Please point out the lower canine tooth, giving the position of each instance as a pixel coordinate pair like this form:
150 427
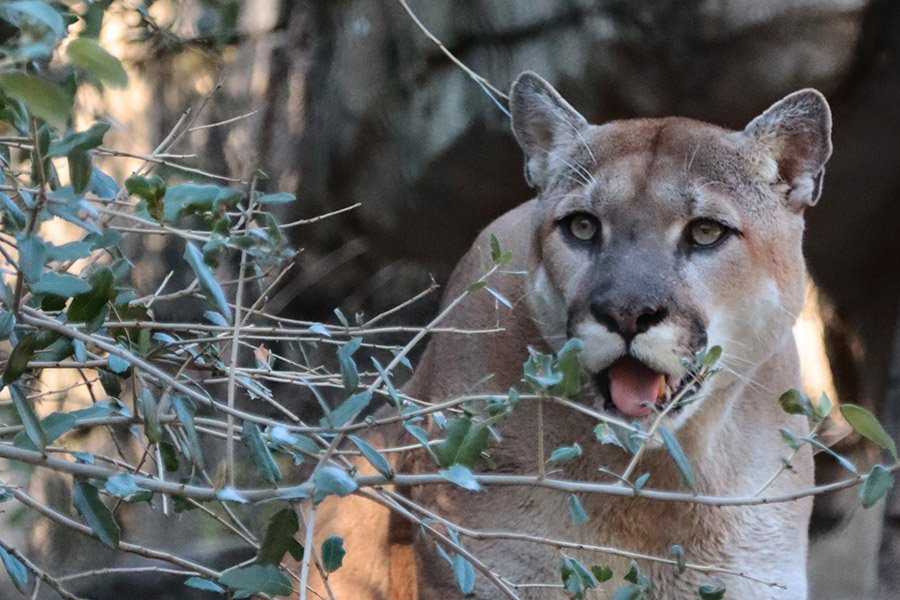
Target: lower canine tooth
661 393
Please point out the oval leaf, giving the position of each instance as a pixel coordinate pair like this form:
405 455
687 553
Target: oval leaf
94 513
260 453
678 456
30 421
86 53
565 453
18 572
375 458
878 483
283 526
576 510
266 579
462 477
60 284
866 425
42 98
333 553
209 285
331 480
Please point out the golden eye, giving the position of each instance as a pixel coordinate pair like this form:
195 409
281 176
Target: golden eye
706 232
584 227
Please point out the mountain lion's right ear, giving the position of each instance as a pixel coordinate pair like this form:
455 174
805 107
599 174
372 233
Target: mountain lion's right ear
796 131
543 123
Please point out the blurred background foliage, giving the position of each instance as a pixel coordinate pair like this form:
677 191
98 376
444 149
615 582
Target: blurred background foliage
346 102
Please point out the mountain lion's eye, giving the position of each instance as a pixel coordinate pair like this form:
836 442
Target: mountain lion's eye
584 227
706 232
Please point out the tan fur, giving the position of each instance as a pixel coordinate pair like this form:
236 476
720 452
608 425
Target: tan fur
645 181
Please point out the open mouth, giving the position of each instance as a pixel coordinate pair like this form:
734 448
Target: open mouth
635 389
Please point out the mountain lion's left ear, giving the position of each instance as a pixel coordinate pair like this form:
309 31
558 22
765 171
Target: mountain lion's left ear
544 125
796 131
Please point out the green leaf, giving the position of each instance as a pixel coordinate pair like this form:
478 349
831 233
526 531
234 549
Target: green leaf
184 409
333 553
575 577
823 407
711 357
151 189
169 456
87 306
53 425
13 217
795 402
266 579
260 453
375 458
464 442
331 480
7 324
30 421
349 372
149 411
117 364
79 141
713 591
576 510
568 364
18 572
606 435
348 409
495 248
395 400
209 285
277 198
678 456
878 483
80 170
88 54
464 572
602 573
20 356
637 577
866 425
539 372
94 513
279 540
630 592
42 98
199 583
191 199
229 494
475 287
565 453
124 486
60 284
32 256
462 477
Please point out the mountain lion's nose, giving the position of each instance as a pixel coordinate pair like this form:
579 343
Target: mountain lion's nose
628 321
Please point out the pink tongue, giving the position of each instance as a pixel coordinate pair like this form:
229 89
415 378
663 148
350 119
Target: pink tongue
633 386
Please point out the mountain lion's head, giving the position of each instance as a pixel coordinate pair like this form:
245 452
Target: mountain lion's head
658 238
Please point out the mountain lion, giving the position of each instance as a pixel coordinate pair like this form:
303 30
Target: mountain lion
650 240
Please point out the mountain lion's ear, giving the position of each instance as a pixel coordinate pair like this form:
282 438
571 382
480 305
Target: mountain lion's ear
796 130
543 123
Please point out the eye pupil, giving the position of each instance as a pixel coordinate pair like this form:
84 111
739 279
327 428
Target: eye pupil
583 227
706 233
